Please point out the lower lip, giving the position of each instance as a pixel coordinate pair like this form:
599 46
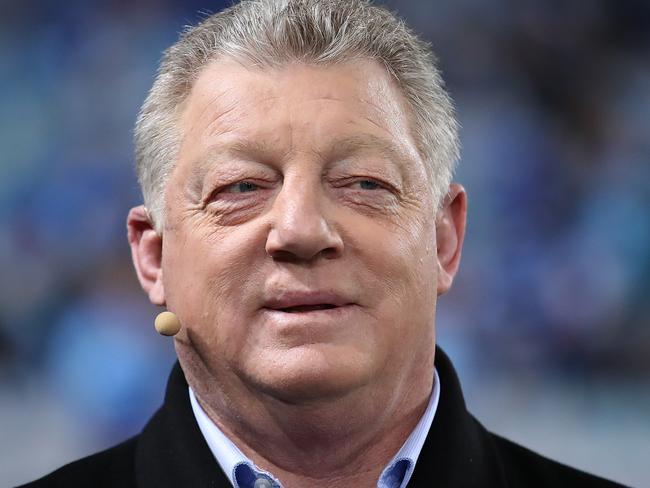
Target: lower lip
311 318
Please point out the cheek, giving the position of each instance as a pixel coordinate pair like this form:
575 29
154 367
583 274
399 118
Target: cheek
403 264
421 261
406 254
207 273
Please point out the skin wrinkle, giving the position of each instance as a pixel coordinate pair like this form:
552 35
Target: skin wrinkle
220 114
347 143
276 389
248 152
216 97
351 467
222 177
227 179
345 471
352 145
348 146
209 132
395 112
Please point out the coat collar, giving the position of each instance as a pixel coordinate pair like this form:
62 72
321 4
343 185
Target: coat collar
458 450
172 452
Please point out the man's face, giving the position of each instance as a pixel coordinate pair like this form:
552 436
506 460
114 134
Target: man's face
299 250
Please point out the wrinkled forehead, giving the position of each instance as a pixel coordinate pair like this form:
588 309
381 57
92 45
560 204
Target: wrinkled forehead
343 106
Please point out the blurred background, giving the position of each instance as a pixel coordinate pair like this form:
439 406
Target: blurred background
549 320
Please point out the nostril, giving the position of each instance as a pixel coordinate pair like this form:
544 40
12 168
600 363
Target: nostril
284 256
299 240
331 252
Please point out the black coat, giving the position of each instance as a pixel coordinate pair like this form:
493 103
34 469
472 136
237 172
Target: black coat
458 452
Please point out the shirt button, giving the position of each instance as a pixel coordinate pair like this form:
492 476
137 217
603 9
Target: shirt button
262 483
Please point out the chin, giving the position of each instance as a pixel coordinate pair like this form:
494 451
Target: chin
309 373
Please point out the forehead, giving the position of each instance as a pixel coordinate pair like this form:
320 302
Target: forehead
296 107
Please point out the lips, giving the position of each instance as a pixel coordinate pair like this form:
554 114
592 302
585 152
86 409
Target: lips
304 302
307 308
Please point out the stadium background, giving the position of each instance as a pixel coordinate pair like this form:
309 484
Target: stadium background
548 322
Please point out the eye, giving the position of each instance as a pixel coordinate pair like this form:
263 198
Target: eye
368 185
241 187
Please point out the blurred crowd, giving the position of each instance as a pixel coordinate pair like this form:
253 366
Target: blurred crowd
554 102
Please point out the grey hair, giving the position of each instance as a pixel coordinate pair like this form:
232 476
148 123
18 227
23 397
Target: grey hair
270 33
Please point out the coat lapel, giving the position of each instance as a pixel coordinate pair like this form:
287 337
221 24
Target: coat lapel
171 451
458 451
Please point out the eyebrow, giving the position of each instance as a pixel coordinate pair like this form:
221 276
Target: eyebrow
260 150
239 148
359 142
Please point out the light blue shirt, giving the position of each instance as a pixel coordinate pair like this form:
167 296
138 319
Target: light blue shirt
242 473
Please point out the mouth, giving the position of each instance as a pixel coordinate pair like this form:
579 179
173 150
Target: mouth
309 316
306 308
300 302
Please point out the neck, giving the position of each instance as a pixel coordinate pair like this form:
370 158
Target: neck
346 441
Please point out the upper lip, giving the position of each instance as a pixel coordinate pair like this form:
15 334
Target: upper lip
290 299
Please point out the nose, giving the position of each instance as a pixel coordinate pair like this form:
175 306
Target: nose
300 231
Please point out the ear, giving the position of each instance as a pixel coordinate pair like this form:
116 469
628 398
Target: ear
450 232
146 251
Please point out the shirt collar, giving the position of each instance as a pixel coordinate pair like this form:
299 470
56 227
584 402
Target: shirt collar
237 466
399 470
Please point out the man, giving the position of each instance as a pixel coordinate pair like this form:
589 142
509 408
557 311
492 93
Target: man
295 158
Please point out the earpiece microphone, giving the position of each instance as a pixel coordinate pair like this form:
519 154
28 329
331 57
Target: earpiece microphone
167 324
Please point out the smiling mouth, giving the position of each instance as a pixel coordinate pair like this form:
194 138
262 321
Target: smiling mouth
307 308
